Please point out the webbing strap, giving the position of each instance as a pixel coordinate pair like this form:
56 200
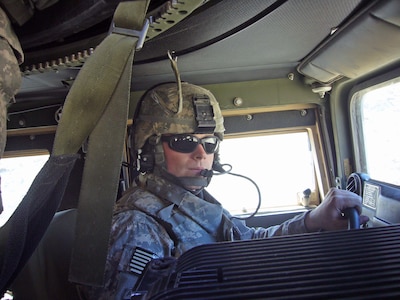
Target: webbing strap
99 188
25 228
97 105
97 80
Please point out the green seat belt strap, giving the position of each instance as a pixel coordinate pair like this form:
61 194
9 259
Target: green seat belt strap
97 108
97 105
97 81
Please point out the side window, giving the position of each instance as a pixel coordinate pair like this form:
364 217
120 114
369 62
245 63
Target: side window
281 165
376 128
17 175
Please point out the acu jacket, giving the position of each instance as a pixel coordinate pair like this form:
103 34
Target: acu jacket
163 219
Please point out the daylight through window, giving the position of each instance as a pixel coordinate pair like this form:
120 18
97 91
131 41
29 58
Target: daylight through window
280 164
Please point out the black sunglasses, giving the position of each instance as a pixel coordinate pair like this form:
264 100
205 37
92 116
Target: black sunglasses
187 143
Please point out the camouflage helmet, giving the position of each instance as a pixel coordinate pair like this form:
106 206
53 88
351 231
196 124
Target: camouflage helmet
160 112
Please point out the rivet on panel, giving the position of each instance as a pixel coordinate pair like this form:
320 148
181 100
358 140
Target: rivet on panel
237 101
303 112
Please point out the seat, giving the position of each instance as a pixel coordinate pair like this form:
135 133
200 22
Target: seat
45 276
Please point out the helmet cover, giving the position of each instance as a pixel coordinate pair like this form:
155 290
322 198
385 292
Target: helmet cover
159 113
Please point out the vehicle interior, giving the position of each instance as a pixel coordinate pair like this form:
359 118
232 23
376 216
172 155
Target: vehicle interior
309 91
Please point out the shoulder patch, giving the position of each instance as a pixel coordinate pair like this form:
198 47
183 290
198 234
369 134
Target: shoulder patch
139 260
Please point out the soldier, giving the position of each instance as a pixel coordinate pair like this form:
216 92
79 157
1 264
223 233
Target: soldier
11 56
176 134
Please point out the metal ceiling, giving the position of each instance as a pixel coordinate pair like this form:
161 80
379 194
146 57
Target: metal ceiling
223 41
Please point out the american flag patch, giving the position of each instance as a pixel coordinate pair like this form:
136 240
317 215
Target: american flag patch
139 260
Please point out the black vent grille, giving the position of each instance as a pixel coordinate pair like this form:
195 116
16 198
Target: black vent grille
354 264
354 184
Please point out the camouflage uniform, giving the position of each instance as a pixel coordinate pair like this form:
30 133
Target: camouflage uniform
167 220
10 76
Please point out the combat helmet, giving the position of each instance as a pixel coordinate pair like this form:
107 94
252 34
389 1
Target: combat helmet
162 111
172 108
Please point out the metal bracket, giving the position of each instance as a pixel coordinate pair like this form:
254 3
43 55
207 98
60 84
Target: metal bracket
141 35
204 114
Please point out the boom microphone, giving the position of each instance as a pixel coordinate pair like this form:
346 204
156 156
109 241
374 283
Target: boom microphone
206 173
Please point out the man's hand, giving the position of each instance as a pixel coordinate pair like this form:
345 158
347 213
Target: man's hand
329 214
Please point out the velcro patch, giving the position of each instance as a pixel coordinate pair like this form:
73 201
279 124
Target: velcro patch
139 260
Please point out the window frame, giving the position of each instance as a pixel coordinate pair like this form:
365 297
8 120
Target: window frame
355 95
282 121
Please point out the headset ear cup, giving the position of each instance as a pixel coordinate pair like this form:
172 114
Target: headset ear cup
145 162
145 158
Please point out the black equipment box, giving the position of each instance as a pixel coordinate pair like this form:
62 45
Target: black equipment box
352 264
